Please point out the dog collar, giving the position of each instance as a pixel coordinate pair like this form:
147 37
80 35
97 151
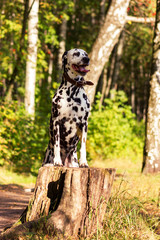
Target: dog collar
74 82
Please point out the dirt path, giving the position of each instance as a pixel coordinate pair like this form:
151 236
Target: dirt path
13 200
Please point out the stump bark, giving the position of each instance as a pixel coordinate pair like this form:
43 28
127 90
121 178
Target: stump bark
73 199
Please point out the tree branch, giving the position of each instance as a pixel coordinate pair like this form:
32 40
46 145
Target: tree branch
140 19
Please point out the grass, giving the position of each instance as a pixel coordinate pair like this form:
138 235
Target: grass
144 187
133 211
10 177
134 207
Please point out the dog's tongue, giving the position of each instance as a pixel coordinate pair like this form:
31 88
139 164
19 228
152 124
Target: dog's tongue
80 68
83 69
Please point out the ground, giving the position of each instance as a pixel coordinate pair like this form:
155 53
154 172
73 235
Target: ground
13 201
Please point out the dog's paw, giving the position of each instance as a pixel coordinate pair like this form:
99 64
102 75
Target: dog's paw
74 165
83 165
58 165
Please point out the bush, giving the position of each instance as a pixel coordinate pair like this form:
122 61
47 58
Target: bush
23 141
113 130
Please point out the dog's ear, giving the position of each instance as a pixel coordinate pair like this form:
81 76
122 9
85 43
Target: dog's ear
64 59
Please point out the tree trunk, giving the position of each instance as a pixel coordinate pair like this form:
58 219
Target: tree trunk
145 96
107 38
133 89
102 11
50 68
111 70
75 197
32 57
151 161
62 43
104 85
16 68
117 65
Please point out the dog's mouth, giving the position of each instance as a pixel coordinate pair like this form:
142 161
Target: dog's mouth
80 68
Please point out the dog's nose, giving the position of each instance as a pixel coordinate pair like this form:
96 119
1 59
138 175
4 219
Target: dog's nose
85 60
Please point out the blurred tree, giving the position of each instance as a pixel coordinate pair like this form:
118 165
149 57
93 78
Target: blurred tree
19 55
106 40
32 57
151 162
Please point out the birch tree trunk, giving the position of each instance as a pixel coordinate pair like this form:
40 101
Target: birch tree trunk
107 38
32 57
62 44
151 161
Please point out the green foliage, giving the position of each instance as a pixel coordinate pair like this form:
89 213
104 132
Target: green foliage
23 141
113 133
113 130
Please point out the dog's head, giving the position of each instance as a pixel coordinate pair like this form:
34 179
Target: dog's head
76 61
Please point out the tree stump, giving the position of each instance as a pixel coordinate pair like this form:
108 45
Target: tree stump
74 199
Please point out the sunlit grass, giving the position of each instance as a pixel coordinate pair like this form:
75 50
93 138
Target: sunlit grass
8 177
145 187
133 194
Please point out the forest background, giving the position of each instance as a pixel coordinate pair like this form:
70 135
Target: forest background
116 130
116 125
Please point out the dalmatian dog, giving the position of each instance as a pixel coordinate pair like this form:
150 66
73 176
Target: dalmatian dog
69 114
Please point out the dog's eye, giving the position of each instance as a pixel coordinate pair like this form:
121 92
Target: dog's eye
76 54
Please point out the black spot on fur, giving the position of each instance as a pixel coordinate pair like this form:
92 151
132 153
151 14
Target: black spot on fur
75 108
82 109
77 100
55 131
64 119
56 123
68 99
57 99
73 91
68 91
70 130
64 60
85 96
58 106
55 112
52 140
80 126
77 91
88 105
73 140
51 133
86 116
48 158
76 54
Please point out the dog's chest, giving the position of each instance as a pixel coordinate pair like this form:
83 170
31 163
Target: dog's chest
72 103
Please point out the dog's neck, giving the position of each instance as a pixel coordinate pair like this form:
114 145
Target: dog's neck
78 82
74 76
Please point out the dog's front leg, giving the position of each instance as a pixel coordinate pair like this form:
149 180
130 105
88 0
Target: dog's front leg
57 158
83 159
